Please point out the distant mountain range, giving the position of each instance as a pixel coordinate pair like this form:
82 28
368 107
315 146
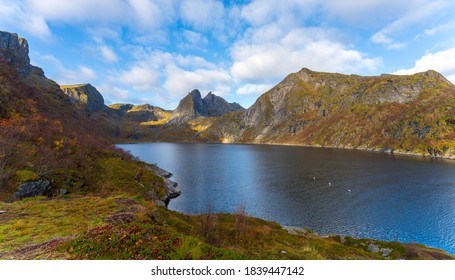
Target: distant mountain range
409 114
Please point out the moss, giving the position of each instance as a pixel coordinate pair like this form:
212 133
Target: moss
26 176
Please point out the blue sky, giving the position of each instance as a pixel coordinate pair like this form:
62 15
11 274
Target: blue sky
156 51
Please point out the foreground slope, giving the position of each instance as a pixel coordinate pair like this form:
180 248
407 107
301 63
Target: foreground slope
49 146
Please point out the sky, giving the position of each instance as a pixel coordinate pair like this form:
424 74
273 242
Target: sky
156 51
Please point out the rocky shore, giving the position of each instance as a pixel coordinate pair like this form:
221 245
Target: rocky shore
171 186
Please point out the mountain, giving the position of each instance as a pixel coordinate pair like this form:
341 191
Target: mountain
406 114
135 122
193 106
217 106
85 96
150 123
401 114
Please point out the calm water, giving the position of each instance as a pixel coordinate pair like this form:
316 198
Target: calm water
327 190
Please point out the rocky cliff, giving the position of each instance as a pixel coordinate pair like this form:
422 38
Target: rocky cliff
217 106
85 96
14 50
193 106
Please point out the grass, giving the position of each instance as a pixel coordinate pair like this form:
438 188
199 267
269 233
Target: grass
119 176
89 231
40 219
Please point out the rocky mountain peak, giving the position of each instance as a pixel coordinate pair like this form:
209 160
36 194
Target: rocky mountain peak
436 75
85 95
193 106
196 94
14 50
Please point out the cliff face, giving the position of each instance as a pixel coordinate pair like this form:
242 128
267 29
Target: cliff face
189 108
85 96
14 50
217 106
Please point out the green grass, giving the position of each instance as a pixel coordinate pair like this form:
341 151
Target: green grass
37 220
157 233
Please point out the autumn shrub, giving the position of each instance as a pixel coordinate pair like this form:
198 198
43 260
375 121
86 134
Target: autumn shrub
125 242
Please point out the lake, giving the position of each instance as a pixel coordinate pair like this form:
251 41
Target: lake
330 191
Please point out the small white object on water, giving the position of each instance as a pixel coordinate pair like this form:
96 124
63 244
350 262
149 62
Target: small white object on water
314 178
349 190
330 184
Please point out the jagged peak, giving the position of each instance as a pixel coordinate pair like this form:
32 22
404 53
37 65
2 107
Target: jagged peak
195 93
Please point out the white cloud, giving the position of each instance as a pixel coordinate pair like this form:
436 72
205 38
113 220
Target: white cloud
141 78
312 48
441 61
255 89
179 81
34 16
371 12
194 39
146 11
284 13
192 62
114 94
76 10
169 77
62 75
440 28
14 18
414 16
108 54
202 14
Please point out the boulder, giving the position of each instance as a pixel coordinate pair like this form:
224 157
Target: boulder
33 188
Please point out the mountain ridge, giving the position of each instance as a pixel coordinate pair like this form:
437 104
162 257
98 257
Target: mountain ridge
319 109
193 106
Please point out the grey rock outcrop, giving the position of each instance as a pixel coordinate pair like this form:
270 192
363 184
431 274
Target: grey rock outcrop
217 106
86 96
34 188
171 186
14 50
193 106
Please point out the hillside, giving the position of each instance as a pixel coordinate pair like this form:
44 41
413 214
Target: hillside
411 114
48 145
